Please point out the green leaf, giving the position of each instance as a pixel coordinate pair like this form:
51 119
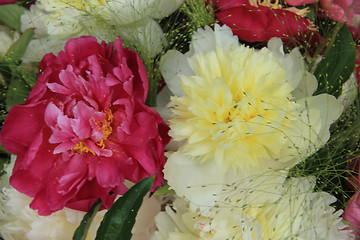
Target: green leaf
120 218
10 15
82 230
337 64
28 72
4 159
17 93
311 12
163 190
4 68
17 49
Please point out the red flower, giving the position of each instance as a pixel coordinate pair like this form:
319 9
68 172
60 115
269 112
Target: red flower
260 23
2 2
352 214
339 10
355 32
85 128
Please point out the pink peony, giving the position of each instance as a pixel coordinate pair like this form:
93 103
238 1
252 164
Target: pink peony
85 128
260 23
352 214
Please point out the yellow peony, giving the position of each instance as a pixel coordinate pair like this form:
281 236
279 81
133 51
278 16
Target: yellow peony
245 108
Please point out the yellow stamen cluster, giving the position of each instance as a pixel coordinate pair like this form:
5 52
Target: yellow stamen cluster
276 5
106 128
80 147
266 3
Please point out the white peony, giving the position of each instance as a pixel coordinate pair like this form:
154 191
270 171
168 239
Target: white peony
19 222
298 213
56 21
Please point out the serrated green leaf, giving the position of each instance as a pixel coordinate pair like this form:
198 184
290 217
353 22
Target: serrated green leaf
337 63
120 218
81 231
10 15
17 93
17 49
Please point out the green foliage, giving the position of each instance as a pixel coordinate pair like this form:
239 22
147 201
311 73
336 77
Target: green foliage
311 13
17 92
10 15
337 64
17 49
4 159
330 164
120 218
17 79
180 26
163 190
81 231
199 13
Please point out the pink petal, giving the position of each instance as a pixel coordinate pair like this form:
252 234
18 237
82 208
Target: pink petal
52 112
80 48
107 173
62 147
57 88
21 125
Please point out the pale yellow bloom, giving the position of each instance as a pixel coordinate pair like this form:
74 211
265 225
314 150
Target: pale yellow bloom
235 108
245 108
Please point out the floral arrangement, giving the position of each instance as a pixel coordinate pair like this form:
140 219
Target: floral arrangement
173 119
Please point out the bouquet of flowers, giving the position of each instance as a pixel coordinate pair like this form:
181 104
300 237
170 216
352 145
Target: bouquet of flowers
173 119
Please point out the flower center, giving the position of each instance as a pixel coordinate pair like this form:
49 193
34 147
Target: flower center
103 128
266 3
82 148
276 5
106 128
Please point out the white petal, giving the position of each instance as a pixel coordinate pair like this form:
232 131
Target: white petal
306 87
39 47
174 64
349 92
35 18
146 35
7 38
195 181
206 185
208 39
275 45
161 8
